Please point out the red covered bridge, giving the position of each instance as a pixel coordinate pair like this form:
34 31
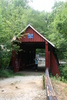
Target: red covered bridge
32 40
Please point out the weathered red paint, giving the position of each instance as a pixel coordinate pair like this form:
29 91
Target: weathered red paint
50 60
36 37
54 65
47 56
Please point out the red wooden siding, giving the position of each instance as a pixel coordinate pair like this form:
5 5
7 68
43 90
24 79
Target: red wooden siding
54 66
36 37
47 56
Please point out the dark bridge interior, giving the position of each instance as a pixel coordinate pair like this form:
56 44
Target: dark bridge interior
27 55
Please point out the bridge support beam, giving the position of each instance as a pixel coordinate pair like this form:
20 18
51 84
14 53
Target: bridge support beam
47 56
15 62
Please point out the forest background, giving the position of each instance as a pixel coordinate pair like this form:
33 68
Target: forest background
15 15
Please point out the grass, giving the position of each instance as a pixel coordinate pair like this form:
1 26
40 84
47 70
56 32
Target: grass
8 73
62 79
60 89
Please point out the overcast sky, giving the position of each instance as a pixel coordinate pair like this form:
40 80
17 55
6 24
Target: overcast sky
45 5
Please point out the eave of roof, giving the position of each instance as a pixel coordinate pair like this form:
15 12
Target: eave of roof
37 33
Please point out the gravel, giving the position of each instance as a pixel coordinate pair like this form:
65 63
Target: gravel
22 88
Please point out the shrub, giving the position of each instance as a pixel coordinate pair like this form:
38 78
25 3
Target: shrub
5 58
63 71
6 73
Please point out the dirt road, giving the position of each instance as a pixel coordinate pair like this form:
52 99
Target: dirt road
22 88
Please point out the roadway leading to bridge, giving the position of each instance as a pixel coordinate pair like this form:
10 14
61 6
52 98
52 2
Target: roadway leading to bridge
22 88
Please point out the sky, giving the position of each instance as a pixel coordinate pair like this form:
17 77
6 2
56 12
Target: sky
45 5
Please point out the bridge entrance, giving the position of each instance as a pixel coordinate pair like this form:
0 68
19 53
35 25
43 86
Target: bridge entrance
31 40
28 54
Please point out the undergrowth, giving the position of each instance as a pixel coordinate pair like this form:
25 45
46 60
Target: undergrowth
59 78
8 73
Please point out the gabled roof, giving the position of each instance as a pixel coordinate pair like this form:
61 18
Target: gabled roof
38 34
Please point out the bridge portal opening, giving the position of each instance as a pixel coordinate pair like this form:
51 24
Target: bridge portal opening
29 52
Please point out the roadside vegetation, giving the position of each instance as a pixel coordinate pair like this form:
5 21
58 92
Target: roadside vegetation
8 73
60 88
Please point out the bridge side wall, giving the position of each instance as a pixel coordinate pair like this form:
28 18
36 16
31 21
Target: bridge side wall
50 60
54 65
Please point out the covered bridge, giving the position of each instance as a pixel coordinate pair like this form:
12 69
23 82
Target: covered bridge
32 40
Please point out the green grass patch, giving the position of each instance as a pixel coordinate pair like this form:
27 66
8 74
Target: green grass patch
18 74
59 78
8 73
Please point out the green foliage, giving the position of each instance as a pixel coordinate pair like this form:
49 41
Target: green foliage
57 28
5 55
5 58
59 79
10 21
16 48
6 73
63 71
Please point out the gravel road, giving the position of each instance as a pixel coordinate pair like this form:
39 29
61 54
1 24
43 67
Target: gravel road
22 88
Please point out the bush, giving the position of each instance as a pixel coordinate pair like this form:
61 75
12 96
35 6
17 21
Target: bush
5 58
6 73
63 71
